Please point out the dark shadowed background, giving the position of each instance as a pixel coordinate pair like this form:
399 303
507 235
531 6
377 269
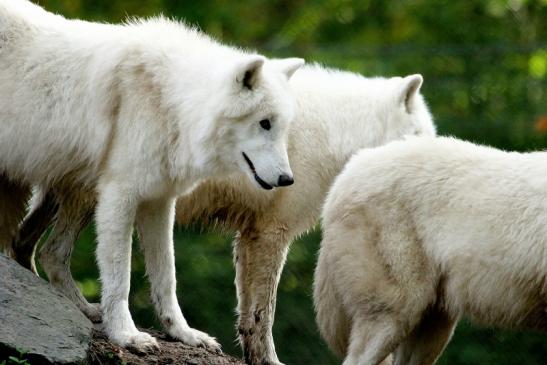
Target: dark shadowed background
485 68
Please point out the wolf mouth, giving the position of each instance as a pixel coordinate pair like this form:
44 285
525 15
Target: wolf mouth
263 184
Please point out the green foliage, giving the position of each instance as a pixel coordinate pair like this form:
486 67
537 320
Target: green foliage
485 68
19 360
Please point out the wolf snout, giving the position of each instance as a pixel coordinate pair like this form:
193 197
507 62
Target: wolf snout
285 180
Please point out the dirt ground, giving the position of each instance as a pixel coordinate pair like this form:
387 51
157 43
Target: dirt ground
102 352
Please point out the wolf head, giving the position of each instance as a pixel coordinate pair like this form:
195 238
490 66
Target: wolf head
408 113
255 108
345 111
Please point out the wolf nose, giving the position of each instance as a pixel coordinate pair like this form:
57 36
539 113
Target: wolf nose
285 180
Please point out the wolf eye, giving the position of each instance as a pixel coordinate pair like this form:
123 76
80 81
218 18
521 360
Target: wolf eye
265 123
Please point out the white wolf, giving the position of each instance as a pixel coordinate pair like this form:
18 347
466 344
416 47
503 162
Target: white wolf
421 232
141 112
338 113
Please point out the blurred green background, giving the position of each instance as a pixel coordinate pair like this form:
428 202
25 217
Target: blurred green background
485 68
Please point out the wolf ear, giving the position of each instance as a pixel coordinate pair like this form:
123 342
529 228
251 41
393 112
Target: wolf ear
288 65
247 71
409 89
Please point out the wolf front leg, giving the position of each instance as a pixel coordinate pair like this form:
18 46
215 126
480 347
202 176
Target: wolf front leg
114 217
259 257
155 221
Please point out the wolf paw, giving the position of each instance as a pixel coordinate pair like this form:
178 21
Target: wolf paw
197 338
271 362
253 360
138 341
92 311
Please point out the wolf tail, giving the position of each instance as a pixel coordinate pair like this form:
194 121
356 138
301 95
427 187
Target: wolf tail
41 213
331 317
14 198
23 220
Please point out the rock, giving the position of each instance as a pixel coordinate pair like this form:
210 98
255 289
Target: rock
38 320
169 352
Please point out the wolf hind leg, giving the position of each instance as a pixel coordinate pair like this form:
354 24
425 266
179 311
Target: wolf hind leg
386 284
427 341
75 212
372 340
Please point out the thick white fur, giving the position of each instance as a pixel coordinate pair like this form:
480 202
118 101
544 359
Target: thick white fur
142 112
420 232
338 113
